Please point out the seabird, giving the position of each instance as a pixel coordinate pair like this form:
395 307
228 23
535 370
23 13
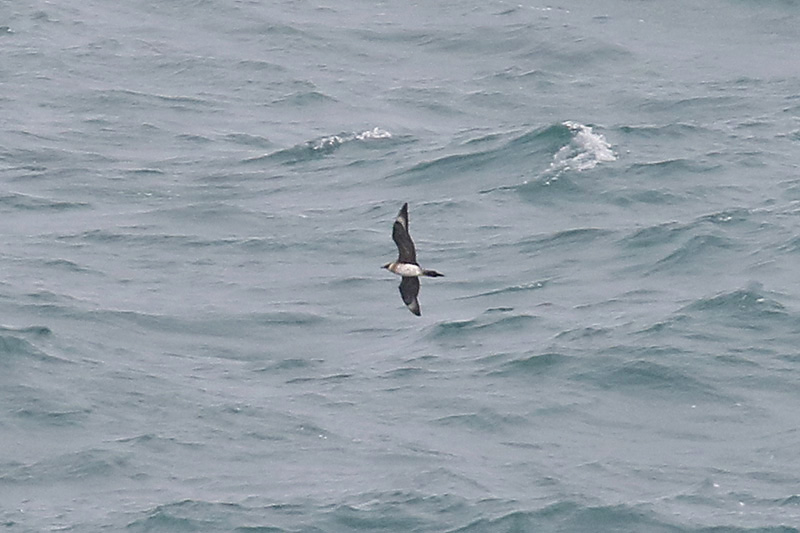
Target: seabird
406 264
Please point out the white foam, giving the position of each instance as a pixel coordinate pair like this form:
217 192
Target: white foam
585 150
374 133
331 142
327 143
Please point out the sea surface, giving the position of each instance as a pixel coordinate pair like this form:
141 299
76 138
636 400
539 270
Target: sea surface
196 197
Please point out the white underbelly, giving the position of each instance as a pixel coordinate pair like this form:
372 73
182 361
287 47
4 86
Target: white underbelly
407 269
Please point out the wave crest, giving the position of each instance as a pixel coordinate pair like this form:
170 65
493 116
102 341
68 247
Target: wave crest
585 150
323 146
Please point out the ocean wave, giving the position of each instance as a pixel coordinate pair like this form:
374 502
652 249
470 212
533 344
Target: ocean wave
186 515
13 347
535 364
523 287
722 318
697 251
567 515
561 239
791 246
208 325
128 97
583 333
656 235
638 375
43 406
669 232
157 443
702 242
585 150
696 105
36 203
38 331
547 152
452 165
70 467
136 236
413 511
303 98
401 510
10 345
486 420
747 304
675 130
671 167
246 139
487 322
323 146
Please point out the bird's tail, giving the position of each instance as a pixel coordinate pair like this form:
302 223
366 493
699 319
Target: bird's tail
432 274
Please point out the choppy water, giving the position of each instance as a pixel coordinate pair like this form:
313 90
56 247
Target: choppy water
197 197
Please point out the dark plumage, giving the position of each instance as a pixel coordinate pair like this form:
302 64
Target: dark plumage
406 264
405 246
409 289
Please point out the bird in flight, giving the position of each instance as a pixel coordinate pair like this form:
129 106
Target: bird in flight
406 264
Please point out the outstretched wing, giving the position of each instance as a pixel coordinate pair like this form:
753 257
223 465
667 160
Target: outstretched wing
409 289
405 246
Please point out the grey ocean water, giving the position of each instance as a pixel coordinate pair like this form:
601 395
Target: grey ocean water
196 197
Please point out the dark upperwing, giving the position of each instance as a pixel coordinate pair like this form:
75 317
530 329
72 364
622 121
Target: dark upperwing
409 289
405 246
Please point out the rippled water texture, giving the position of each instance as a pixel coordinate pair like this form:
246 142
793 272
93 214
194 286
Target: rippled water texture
197 197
